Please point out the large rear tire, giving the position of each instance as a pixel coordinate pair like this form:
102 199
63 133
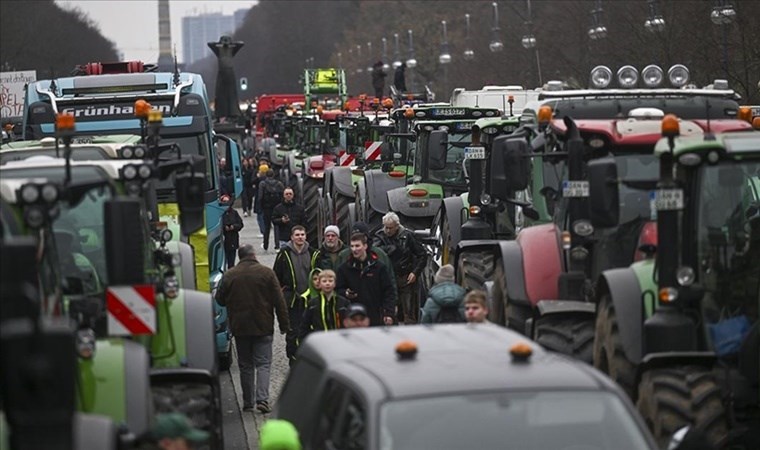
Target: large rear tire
672 398
446 250
311 206
340 205
572 336
608 353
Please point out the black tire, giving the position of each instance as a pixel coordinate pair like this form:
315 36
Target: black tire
352 218
372 218
340 206
447 255
225 361
672 398
197 402
608 354
572 336
311 207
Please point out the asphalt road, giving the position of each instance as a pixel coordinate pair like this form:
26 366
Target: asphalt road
241 428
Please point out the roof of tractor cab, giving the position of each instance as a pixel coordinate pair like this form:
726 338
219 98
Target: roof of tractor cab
449 359
735 143
111 167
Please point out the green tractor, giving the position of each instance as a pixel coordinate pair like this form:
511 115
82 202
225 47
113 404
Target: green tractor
680 331
183 363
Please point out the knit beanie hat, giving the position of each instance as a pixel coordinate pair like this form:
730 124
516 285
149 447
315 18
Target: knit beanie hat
332 229
445 273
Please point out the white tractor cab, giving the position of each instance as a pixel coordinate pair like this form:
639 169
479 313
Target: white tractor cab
508 99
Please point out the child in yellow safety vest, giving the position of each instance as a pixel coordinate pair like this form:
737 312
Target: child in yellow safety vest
326 310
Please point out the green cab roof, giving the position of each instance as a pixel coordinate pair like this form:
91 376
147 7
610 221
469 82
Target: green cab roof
734 145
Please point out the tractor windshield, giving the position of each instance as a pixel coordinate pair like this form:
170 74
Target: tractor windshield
728 236
453 174
634 203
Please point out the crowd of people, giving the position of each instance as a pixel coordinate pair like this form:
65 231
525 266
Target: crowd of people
372 280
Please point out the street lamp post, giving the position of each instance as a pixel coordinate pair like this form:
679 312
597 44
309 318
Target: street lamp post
396 52
371 62
655 23
496 44
445 57
386 66
597 30
411 63
529 42
723 15
469 53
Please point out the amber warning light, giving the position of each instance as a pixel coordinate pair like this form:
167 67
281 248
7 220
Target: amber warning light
64 122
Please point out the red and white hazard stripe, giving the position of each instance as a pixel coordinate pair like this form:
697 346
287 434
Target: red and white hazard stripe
345 158
131 310
372 150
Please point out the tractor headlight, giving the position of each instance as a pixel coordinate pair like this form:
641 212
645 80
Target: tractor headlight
140 152
583 228
678 75
685 276
49 193
579 253
129 172
34 216
144 171
171 287
628 77
166 235
127 152
601 76
485 199
30 193
86 343
652 76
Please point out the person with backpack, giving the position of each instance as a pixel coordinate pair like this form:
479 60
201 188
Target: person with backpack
270 195
287 215
445 302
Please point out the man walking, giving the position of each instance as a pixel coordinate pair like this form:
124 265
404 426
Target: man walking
408 258
269 194
293 269
251 293
232 224
286 215
364 279
327 255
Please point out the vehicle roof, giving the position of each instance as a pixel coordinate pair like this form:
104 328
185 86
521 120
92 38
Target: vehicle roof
744 143
107 141
94 82
450 358
112 167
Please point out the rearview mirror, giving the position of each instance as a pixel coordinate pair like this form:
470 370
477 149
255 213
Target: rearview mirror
603 192
437 143
189 187
510 166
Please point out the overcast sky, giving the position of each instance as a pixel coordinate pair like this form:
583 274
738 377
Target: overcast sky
133 24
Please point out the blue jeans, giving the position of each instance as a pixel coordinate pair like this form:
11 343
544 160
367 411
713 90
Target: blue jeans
254 354
260 220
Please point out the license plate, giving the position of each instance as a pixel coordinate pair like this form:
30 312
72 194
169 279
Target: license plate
474 153
82 140
575 189
668 199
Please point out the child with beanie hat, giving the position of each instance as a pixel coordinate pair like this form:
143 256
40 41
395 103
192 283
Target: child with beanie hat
445 302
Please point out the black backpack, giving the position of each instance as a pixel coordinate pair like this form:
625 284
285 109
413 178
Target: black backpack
449 314
271 193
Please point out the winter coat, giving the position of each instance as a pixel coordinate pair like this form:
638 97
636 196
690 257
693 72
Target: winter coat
322 314
372 281
294 211
345 254
443 294
399 79
404 250
231 238
324 258
378 78
292 269
251 293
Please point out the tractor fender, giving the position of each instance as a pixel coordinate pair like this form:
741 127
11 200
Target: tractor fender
137 387
199 331
511 257
377 185
342 181
452 207
554 307
399 202
186 268
625 295
541 260
94 431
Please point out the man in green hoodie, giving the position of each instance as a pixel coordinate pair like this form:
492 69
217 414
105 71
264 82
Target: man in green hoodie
293 266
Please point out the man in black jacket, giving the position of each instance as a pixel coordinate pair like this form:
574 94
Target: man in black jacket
269 193
364 279
408 258
232 224
286 215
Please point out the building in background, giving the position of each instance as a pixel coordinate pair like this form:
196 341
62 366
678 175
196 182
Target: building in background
203 28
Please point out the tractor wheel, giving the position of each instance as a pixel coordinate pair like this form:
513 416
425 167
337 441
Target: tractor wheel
341 218
196 401
446 255
311 206
352 219
608 354
672 398
572 336
225 361
372 218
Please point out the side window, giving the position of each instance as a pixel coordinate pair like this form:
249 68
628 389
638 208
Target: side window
342 420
